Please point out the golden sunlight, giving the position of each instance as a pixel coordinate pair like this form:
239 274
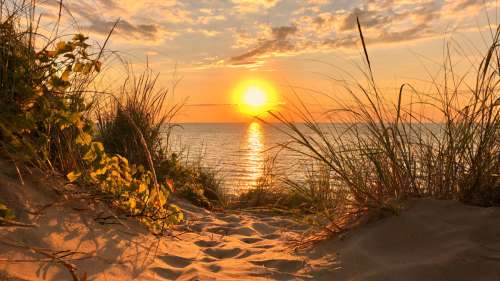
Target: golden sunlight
255 96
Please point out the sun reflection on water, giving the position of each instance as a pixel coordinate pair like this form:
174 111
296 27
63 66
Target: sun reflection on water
254 148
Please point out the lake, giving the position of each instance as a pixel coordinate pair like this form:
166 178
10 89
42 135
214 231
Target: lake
238 150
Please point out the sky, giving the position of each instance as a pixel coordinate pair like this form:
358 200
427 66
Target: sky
303 48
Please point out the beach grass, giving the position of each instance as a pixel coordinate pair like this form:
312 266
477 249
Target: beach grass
381 153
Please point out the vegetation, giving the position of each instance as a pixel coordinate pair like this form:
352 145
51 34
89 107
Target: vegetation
44 119
383 154
138 126
368 164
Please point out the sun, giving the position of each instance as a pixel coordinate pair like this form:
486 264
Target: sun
255 96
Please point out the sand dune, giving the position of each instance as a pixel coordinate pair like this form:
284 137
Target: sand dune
431 240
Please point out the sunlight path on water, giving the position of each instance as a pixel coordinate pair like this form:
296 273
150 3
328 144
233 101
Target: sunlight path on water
255 147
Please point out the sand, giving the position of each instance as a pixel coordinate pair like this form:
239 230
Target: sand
431 240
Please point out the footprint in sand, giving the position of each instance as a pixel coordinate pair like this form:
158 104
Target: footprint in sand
214 268
271 236
283 265
230 218
176 261
263 228
207 243
167 273
232 224
198 227
248 253
222 253
264 246
222 230
251 240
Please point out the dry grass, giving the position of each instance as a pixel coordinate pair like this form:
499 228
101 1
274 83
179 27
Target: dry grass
139 108
386 153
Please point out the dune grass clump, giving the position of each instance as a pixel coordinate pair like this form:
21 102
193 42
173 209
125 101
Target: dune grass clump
269 193
139 119
381 154
138 127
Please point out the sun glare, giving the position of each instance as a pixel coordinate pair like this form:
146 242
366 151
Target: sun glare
255 97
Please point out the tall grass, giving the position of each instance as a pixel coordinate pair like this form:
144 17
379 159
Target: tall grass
137 123
138 112
386 153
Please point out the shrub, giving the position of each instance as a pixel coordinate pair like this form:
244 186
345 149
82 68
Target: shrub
131 187
41 96
44 118
200 185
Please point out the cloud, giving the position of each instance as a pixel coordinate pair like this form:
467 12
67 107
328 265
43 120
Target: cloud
253 6
124 29
383 22
278 43
369 18
248 32
99 16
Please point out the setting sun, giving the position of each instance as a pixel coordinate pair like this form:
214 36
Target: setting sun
255 96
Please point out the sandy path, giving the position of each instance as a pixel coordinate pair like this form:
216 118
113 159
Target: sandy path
431 240
232 246
209 246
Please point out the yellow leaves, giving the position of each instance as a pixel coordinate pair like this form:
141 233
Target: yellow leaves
90 156
83 138
73 176
142 187
131 185
65 76
97 146
132 203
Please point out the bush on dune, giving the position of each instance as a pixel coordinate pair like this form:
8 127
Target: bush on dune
44 119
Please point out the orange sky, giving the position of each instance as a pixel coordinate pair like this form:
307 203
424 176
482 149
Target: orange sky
301 47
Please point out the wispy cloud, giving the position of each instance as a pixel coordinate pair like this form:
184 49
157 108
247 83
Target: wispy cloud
248 32
384 22
278 43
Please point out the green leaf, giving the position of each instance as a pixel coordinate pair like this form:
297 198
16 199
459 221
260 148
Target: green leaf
6 212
